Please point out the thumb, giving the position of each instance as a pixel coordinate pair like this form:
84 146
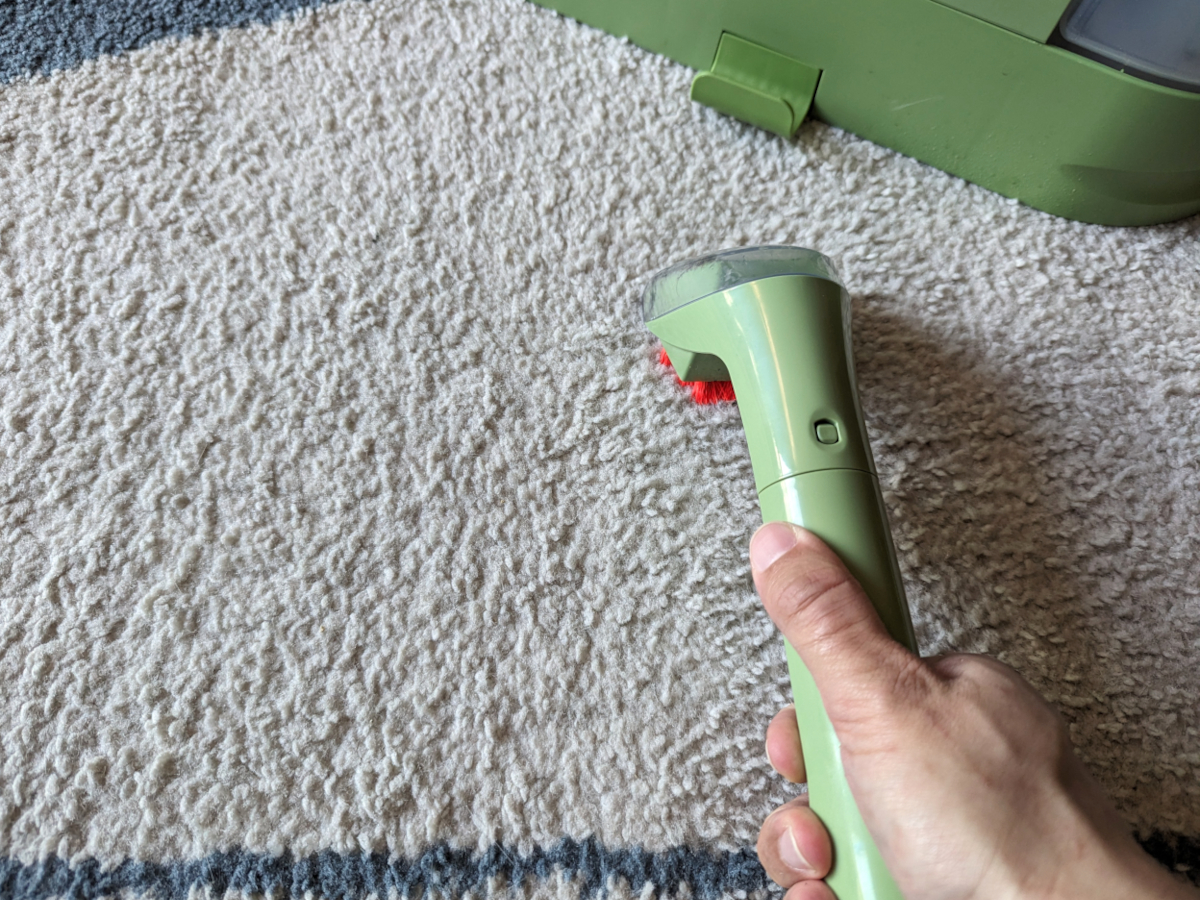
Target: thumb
826 616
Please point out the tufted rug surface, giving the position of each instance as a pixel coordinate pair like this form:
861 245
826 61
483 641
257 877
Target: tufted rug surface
355 543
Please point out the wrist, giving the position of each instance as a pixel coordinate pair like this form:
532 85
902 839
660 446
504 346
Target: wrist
1113 868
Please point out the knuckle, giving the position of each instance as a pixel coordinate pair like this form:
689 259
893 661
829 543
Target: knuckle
981 677
992 702
804 601
899 704
911 680
985 670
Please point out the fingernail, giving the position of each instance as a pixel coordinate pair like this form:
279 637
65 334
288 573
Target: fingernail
769 543
789 853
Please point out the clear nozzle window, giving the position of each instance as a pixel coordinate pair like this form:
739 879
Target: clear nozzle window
694 279
1156 39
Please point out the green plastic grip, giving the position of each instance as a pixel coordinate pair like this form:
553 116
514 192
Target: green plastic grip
776 322
844 508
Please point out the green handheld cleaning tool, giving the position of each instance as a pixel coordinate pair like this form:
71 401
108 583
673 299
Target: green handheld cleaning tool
776 322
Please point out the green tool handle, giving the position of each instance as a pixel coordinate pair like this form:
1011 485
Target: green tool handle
776 322
844 507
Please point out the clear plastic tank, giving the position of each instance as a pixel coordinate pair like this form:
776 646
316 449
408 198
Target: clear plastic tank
698 278
1159 39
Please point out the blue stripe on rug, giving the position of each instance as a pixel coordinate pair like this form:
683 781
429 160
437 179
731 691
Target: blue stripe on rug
441 869
356 876
39 36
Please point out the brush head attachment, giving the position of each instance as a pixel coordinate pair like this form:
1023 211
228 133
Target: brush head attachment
703 392
695 279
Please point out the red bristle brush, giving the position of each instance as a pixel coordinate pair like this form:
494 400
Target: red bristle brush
702 391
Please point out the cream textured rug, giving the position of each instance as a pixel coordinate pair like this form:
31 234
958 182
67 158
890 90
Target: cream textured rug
353 540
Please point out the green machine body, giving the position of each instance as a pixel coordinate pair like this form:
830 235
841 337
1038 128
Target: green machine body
1089 109
776 322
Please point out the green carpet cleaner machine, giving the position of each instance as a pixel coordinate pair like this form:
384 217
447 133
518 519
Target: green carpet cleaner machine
775 321
1088 109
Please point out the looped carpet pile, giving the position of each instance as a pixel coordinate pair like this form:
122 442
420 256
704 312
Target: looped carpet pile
354 540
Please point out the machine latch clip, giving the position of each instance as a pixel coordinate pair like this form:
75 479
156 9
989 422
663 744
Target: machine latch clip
757 85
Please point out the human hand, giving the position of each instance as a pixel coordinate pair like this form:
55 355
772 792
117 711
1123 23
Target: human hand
964 775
